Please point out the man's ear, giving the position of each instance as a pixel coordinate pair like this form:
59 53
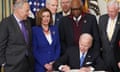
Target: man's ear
47 5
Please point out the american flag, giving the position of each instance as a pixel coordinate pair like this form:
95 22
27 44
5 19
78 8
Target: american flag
35 5
91 4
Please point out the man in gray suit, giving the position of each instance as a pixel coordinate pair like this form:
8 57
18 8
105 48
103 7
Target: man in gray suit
108 34
15 40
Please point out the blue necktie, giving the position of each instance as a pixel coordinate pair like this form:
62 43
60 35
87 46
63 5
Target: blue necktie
24 31
82 59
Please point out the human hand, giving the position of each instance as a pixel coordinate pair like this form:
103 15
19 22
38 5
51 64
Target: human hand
48 67
84 69
119 65
65 68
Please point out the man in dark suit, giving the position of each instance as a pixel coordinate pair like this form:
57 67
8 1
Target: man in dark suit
72 59
73 25
117 49
66 7
52 5
108 34
15 40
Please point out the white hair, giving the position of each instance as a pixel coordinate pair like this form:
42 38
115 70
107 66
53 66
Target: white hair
86 36
69 0
48 1
113 2
19 3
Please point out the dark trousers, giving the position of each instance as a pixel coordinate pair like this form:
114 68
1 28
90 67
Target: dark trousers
22 66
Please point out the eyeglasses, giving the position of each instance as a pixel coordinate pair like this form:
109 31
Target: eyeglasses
75 8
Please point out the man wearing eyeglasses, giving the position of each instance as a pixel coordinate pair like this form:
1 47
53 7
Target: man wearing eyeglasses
73 25
66 7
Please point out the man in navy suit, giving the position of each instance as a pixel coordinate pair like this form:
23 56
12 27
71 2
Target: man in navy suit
72 59
52 5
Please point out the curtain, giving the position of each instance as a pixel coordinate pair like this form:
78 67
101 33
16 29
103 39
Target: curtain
5 8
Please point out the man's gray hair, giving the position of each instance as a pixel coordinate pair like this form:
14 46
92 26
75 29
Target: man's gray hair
48 1
86 36
19 3
113 2
69 0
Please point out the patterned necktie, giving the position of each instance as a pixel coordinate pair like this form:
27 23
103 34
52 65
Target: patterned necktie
24 31
82 59
111 30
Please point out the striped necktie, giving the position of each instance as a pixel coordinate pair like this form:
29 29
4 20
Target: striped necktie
111 30
82 59
24 31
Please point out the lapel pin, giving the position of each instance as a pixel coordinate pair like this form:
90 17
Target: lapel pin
85 21
88 63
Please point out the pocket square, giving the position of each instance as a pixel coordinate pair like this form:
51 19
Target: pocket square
88 63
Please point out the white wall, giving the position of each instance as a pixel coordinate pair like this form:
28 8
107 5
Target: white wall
102 6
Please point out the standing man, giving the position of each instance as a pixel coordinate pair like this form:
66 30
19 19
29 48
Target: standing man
66 7
73 25
117 49
52 5
109 25
15 40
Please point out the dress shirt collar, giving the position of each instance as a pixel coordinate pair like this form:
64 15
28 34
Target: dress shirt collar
77 19
65 14
85 53
53 16
115 19
18 20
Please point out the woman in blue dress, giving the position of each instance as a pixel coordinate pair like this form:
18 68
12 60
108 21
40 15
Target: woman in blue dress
46 45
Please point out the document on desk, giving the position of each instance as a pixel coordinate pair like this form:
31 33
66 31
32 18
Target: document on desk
78 70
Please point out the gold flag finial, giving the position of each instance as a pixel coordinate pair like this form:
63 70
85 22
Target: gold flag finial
85 7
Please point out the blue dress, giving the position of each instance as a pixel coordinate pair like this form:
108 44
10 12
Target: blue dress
43 51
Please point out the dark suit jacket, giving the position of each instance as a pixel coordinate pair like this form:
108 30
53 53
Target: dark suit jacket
117 47
89 25
72 59
12 44
107 46
57 19
60 13
32 21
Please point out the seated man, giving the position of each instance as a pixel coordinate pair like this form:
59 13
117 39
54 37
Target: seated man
80 57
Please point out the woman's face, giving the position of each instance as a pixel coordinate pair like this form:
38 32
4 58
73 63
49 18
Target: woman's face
45 18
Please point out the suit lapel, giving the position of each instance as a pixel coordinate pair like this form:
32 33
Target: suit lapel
16 27
56 19
27 29
77 57
105 23
15 24
117 27
52 34
88 59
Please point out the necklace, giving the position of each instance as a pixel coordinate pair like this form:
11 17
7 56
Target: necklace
46 31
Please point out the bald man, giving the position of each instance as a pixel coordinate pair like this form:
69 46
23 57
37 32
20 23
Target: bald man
72 58
71 27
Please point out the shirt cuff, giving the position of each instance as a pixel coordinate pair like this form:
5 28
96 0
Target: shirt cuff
60 67
92 68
